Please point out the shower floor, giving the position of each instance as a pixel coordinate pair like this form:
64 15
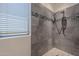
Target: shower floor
56 52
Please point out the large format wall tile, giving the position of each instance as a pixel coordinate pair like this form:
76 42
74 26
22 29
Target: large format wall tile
69 42
45 34
41 30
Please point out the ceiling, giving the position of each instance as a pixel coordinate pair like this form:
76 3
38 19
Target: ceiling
57 6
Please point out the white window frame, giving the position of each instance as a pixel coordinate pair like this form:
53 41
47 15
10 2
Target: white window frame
29 26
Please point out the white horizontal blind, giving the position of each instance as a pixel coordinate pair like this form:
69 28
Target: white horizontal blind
12 24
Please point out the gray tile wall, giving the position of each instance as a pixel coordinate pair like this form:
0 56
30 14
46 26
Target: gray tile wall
42 31
69 42
45 34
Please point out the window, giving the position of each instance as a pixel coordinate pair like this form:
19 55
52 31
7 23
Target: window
14 19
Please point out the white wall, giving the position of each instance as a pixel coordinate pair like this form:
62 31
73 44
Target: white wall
18 46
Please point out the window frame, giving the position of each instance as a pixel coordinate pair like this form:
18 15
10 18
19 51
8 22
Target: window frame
29 26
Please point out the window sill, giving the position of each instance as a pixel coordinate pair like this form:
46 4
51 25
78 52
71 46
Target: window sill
17 36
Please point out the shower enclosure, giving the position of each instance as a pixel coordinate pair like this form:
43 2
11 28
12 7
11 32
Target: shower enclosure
48 30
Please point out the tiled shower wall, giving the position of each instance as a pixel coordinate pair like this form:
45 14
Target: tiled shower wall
69 42
45 34
42 31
